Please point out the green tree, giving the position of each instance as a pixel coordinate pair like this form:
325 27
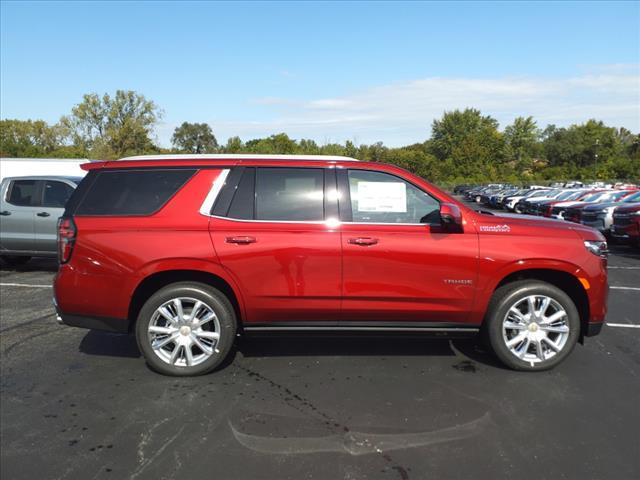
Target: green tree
468 143
575 148
194 138
234 145
34 138
521 142
112 127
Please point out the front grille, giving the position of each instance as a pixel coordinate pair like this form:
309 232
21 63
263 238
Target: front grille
556 210
589 217
621 220
573 215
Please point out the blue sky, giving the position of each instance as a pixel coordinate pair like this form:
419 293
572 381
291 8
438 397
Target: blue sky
330 71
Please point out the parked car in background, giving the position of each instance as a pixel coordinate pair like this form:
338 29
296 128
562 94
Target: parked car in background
29 212
600 215
626 224
574 212
462 189
512 202
497 198
590 196
525 205
187 251
545 207
21 167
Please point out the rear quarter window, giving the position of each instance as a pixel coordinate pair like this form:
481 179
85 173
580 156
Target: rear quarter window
131 192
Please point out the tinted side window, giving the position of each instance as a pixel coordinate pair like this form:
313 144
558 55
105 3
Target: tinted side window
22 192
382 198
290 194
243 202
56 194
132 192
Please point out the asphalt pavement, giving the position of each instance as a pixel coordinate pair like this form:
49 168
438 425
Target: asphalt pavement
79 404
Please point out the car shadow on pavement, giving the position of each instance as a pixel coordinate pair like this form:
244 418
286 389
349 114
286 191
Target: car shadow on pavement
109 344
277 345
365 345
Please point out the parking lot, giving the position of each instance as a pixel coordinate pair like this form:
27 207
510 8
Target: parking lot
82 404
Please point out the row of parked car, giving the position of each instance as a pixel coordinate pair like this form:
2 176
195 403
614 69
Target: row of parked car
613 210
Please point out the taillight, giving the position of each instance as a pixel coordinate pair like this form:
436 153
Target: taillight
66 238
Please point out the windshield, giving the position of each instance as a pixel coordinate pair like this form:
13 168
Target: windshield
569 195
594 196
539 193
616 196
632 198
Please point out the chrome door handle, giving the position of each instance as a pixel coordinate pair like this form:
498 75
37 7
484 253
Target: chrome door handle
43 214
363 241
241 240
4 213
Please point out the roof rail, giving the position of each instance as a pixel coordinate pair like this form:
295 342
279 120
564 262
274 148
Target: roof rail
222 156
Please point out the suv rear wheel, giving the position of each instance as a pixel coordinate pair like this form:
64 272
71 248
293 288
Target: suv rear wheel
532 325
186 329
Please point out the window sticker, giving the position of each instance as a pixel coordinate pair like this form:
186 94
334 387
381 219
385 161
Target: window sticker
382 197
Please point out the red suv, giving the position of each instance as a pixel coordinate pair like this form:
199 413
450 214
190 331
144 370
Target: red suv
188 251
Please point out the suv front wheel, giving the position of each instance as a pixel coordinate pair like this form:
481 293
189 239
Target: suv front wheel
186 329
532 325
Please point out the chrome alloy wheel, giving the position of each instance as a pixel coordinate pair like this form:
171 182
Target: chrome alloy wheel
535 328
184 332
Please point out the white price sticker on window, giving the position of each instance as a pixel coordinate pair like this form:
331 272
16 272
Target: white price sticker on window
382 197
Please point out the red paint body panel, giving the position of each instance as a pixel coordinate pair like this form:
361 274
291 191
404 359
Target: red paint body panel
412 273
291 272
312 271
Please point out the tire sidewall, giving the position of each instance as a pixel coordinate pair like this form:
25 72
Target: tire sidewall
215 300
509 298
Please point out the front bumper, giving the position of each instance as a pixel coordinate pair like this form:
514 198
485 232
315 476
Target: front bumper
625 232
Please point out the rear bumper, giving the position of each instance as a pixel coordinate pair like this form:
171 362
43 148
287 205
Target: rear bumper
107 324
117 325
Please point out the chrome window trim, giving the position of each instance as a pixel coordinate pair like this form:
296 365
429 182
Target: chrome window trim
319 222
214 191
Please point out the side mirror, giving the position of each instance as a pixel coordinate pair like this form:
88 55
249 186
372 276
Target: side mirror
450 215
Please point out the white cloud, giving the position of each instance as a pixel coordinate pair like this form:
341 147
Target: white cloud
402 113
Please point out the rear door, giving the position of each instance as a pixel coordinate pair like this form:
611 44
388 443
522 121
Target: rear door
399 265
53 197
270 231
17 211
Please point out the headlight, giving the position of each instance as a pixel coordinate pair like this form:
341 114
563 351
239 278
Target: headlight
597 247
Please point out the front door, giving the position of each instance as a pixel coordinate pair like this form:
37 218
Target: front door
399 265
273 240
55 194
17 213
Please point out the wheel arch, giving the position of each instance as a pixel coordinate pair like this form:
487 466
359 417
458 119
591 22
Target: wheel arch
562 279
159 279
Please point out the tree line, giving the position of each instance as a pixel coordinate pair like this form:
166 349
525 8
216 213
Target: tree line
464 146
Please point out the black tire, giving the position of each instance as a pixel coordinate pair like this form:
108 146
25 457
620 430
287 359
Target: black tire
212 298
15 260
507 296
